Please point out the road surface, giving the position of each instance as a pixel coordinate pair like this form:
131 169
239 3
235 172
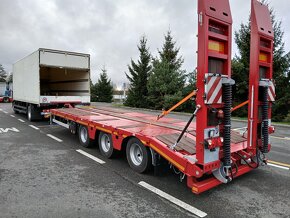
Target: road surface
44 172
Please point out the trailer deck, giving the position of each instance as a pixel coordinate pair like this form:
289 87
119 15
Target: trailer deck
165 131
158 135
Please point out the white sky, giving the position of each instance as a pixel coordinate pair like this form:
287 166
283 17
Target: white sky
110 30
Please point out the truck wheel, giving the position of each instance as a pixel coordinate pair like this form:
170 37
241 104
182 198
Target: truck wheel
106 145
30 113
84 137
6 100
138 156
14 109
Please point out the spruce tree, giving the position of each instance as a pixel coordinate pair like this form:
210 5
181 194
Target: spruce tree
240 69
167 80
138 77
93 92
104 89
3 73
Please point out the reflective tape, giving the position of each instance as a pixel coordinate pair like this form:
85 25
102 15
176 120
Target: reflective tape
213 89
271 92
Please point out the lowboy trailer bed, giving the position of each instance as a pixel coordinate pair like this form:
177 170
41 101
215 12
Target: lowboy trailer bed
156 137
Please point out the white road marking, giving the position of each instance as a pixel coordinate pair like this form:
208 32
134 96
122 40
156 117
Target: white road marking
5 112
21 120
1 109
283 138
34 127
53 137
91 156
240 128
172 199
12 115
281 167
5 130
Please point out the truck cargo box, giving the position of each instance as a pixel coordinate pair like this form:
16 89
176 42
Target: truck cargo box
50 76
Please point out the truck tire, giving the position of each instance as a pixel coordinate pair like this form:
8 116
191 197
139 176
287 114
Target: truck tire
84 137
106 144
14 109
6 100
30 113
138 156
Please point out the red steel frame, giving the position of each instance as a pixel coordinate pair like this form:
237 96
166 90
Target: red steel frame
211 13
216 14
262 36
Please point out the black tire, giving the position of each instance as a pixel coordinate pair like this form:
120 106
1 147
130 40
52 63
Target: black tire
30 113
6 100
73 128
138 156
106 144
14 109
84 137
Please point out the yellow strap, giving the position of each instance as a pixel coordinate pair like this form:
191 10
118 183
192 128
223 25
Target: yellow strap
164 113
240 105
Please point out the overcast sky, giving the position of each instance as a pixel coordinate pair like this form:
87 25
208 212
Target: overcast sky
109 30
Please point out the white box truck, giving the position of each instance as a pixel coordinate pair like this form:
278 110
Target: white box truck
49 79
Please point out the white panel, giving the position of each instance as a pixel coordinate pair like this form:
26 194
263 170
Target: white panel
65 60
63 99
26 79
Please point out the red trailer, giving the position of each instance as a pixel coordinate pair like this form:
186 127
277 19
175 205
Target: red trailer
208 152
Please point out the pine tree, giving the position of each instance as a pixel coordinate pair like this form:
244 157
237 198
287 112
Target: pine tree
3 73
167 80
139 72
94 96
103 88
240 68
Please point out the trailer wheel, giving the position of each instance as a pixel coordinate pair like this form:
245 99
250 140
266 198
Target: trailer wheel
138 156
6 100
84 137
73 128
106 144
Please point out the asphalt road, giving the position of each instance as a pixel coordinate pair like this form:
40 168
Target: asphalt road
42 176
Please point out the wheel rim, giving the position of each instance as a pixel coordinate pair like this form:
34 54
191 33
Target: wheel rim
84 135
136 154
105 143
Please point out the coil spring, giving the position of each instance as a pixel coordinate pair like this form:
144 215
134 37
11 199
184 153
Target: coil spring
265 123
227 97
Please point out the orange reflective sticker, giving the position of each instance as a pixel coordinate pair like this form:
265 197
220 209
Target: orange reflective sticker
263 57
216 46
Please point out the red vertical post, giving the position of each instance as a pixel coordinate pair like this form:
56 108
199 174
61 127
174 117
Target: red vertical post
260 78
214 63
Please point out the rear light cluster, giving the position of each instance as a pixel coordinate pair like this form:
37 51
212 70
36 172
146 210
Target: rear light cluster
213 143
